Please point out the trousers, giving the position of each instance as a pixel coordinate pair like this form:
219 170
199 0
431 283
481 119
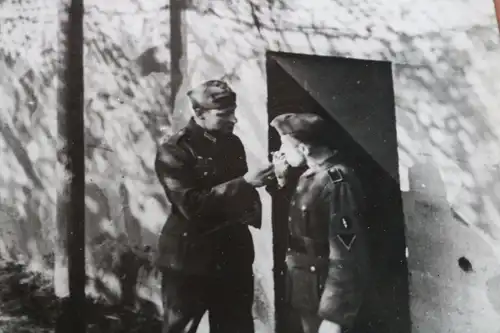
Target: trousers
227 298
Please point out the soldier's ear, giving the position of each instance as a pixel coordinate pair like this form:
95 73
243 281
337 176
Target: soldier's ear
198 113
304 149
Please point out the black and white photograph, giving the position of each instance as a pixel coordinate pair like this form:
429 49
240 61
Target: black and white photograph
249 166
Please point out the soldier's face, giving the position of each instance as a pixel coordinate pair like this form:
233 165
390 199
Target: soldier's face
293 154
219 120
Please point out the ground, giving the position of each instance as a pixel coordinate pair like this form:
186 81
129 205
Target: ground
28 304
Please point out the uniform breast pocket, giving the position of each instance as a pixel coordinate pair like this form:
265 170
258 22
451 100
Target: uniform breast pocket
204 167
303 289
199 247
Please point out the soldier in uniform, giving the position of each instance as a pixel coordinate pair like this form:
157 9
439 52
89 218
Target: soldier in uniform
327 258
206 249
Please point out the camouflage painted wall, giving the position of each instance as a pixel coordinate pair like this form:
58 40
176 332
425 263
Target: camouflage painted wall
444 73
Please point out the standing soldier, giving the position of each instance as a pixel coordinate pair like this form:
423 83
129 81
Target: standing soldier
205 248
327 258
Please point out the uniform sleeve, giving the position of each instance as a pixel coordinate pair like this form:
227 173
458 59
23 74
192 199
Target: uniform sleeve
176 173
341 199
249 208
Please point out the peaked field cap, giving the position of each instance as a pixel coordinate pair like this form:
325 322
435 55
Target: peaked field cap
212 94
293 123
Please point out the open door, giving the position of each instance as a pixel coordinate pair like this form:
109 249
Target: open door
357 97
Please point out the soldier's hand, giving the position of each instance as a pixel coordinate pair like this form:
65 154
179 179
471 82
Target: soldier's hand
281 167
329 327
260 177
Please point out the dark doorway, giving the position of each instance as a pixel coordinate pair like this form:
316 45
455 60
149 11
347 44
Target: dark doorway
357 97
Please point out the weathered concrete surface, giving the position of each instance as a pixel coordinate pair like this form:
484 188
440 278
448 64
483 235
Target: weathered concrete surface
447 294
446 95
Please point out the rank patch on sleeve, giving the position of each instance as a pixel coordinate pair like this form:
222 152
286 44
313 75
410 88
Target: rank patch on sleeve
346 232
347 240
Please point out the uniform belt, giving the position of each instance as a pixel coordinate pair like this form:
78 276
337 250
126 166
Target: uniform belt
304 261
308 246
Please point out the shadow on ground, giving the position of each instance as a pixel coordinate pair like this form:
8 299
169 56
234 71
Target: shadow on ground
28 304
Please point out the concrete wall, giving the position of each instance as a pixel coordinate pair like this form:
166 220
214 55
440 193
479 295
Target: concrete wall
445 56
30 57
444 70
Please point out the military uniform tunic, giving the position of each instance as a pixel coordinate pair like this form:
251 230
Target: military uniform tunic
205 247
327 258
206 231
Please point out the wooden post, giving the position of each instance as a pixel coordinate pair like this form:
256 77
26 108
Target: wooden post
178 43
497 9
71 208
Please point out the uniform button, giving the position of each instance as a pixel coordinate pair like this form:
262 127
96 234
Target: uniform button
205 173
290 218
313 269
185 234
304 208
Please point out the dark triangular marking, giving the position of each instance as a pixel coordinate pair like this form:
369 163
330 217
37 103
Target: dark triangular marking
347 240
318 74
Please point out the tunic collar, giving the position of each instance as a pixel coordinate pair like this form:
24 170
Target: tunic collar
327 164
200 131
